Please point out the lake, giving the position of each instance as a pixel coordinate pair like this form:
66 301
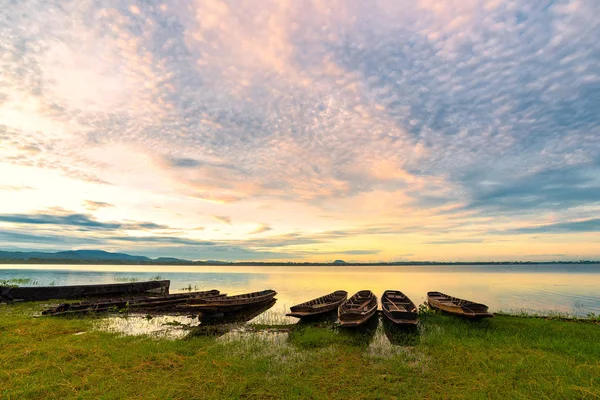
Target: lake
541 288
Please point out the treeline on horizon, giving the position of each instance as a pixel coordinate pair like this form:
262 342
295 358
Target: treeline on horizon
286 263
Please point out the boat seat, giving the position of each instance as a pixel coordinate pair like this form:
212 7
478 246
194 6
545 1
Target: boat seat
398 307
363 305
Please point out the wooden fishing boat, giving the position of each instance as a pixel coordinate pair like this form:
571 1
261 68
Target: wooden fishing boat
219 324
237 317
320 305
229 303
39 293
358 309
456 306
156 303
398 308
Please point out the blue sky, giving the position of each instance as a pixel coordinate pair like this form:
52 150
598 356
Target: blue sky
316 130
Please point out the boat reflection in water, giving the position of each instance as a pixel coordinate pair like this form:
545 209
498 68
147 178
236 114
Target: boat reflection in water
218 324
360 335
401 335
328 319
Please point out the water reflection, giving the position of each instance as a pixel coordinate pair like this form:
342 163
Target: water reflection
173 326
361 335
375 337
160 326
324 319
222 323
539 288
401 335
239 316
378 337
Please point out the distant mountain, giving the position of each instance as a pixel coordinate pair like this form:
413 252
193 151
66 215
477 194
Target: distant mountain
75 255
97 255
105 257
170 260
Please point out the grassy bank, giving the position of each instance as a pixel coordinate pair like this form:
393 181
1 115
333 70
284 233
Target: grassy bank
505 357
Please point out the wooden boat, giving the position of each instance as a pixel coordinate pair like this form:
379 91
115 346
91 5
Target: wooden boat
398 308
157 303
237 317
229 304
319 305
219 324
454 305
39 293
358 309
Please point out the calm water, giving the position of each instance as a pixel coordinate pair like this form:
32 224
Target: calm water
573 289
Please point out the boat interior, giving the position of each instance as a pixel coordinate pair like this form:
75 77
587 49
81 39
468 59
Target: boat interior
361 301
397 303
466 305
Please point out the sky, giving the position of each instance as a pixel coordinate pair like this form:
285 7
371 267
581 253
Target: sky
390 130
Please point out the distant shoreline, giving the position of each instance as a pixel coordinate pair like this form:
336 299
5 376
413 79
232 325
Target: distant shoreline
279 264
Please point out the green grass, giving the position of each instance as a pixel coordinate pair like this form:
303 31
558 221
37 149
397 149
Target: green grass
501 358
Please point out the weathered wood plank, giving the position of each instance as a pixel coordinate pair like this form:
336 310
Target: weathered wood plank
39 293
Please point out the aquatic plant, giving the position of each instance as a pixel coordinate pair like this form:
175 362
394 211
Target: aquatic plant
125 279
424 309
189 288
593 317
16 282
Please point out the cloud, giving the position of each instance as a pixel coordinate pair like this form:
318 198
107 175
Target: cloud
340 253
455 241
546 255
96 205
50 240
280 241
84 221
589 225
15 188
223 219
393 117
167 240
428 93
359 252
261 229
154 246
548 189
79 220
216 253
183 162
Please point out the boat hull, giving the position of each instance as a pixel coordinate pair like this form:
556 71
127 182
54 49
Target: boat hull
399 309
241 316
319 306
154 303
230 304
358 309
456 306
40 293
